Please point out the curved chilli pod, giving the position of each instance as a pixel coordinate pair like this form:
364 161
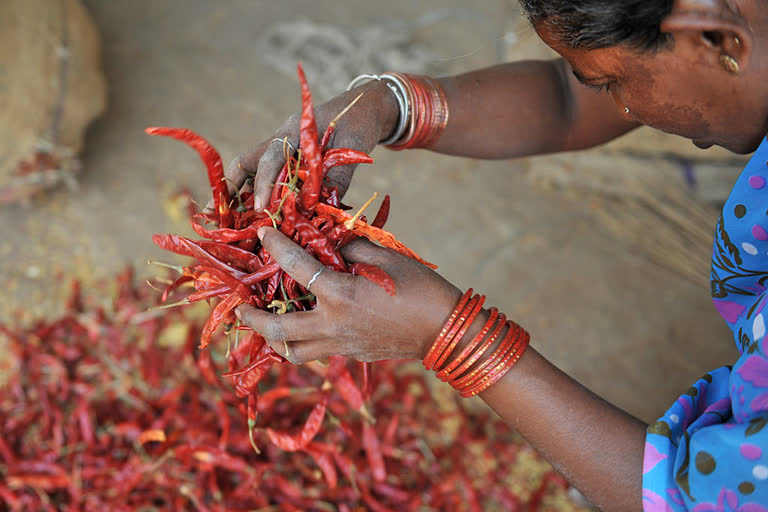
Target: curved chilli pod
342 381
375 275
344 156
383 214
299 441
227 235
187 247
372 233
373 453
325 462
217 317
212 161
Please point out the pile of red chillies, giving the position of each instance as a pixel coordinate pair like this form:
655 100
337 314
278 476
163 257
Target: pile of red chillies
117 408
104 409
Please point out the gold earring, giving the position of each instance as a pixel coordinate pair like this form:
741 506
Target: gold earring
730 64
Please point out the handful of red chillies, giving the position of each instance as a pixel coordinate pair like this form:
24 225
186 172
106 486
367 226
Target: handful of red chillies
103 408
233 268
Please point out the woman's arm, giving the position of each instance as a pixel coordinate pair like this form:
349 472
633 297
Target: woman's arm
506 111
598 447
526 108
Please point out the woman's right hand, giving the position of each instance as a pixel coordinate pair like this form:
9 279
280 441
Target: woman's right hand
370 120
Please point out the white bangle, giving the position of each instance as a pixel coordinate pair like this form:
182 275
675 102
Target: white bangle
401 96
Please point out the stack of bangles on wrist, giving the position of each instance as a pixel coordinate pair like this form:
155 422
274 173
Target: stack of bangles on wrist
459 372
423 109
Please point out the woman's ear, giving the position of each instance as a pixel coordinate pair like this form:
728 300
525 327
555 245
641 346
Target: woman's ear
714 28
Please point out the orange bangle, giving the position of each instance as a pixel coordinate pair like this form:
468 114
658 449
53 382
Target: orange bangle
500 370
504 345
503 360
457 325
430 358
478 306
452 375
469 349
459 372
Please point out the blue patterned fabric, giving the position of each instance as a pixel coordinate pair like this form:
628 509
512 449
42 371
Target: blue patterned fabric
709 452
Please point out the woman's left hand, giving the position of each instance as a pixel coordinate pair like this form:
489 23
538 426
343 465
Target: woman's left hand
355 317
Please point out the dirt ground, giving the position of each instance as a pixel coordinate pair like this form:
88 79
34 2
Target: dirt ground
636 334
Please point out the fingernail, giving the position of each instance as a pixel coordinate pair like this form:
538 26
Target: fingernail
260 232
257 205
237 313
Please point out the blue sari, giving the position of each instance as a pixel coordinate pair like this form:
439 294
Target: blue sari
709 452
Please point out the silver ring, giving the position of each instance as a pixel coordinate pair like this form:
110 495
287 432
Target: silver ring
285 141
309 285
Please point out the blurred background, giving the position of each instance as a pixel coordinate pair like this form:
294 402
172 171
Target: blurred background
602 255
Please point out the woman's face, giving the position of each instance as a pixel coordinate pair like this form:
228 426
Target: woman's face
680 90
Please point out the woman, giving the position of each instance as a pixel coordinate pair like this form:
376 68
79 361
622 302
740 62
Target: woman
689 67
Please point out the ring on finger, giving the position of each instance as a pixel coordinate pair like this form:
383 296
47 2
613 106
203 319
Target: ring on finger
314 277
284 141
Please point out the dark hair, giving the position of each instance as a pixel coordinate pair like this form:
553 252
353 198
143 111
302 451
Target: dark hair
592 24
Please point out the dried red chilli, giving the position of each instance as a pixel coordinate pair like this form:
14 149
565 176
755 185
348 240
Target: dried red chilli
247 260
375 275
373 453
218 315
300 440
212 161
383 214
310 147
343 156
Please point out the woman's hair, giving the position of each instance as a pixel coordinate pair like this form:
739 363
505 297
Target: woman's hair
592 24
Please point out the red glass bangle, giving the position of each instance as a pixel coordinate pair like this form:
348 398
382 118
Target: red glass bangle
500 370
495 370
463 371
457 325
469 349
478 306
430 358
488 343
476 374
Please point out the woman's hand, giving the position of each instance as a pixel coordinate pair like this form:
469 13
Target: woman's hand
355 317
370 120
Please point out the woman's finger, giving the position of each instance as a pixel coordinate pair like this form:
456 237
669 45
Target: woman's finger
293 335
363 250
298 326
237 171
268 168
297 262
300 352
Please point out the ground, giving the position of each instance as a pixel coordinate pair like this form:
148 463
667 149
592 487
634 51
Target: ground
635 333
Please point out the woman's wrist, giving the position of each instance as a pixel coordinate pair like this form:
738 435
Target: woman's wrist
475 347
421 109
384 110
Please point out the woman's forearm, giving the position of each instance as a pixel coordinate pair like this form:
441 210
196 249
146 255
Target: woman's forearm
596 446
525 108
